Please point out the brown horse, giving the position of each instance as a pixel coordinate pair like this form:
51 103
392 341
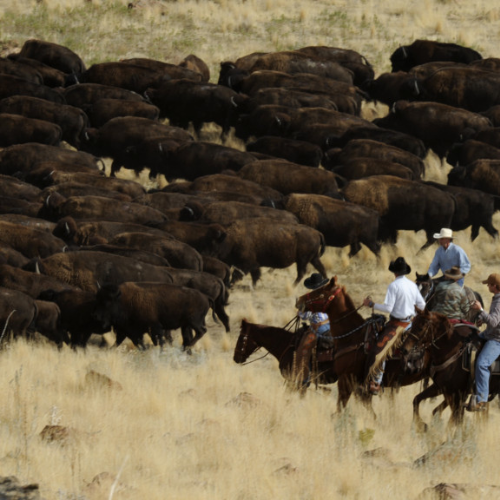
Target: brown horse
445 344
350 332
281 343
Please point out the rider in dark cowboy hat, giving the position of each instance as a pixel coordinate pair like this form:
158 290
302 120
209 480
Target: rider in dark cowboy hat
319 330
400 301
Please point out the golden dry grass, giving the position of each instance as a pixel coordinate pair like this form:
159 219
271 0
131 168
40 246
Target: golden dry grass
201 427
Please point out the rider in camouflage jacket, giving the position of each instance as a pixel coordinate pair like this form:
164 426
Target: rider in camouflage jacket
450 298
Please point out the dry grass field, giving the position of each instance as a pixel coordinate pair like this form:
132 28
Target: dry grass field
168 425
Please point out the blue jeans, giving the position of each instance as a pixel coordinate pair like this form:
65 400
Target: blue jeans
486 358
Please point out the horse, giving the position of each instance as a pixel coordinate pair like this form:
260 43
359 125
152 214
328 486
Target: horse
434 333
281 343
351 336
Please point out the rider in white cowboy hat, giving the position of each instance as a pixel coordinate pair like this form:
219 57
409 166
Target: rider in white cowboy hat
319 329
448 255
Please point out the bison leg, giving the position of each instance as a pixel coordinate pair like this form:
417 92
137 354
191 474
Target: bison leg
355 248
221 313
115 167
255 274
430 241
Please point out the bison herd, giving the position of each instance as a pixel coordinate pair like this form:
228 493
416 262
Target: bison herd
82 252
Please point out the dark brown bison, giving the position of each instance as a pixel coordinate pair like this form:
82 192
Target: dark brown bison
403 204
422 51
301 152
438 125
10 186
194 63
48 322
342 223
483 175
100 208
86 94
89 270
196 159
217 268
292 62
133 309
208 284
25 157
226 212
289 177
52 54
103 110
118 134
11 85
358 168
29 241
470 151
17 129
17 314
70 190
394 138
179 254
73 121
386 88
474 208
125 75
83 233
465 87
254 243
52 77
234 184
168 70
367 148
14 68
32 284
184 101
76 308
205 238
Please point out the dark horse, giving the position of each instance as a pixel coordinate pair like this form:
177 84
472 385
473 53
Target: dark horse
281 344
445 344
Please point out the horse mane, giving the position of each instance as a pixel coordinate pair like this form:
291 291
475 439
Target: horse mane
442 323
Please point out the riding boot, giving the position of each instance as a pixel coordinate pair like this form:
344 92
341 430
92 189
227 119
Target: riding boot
303 358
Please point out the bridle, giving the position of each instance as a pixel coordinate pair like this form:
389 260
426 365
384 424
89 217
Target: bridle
321 300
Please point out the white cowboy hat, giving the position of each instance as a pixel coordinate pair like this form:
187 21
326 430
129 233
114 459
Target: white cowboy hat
444 233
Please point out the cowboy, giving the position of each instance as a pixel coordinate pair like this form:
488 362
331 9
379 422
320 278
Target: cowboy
491 350
319 329
400 301
448 255
450 298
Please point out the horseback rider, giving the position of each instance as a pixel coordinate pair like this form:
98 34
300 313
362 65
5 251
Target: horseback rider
448 255
318 331
491 350
400 301
450 298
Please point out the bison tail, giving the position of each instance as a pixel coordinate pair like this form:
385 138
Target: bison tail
322 247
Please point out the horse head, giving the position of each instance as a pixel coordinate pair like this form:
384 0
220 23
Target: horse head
426 330
245 345
318 300
425 284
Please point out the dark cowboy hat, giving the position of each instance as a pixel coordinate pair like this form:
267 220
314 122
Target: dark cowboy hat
399 266
453 274
315 281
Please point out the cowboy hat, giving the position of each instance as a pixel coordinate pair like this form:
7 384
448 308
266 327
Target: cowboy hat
453 274
493 279
444 233
399 266
315 281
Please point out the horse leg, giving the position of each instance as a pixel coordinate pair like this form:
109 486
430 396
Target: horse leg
431 392
345 391
440 408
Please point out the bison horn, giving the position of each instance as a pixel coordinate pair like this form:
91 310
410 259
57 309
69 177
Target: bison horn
37 268
393 108
278 120
65 247
98 285
229 82
66 225
233 102
417 90
47 200
405 54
